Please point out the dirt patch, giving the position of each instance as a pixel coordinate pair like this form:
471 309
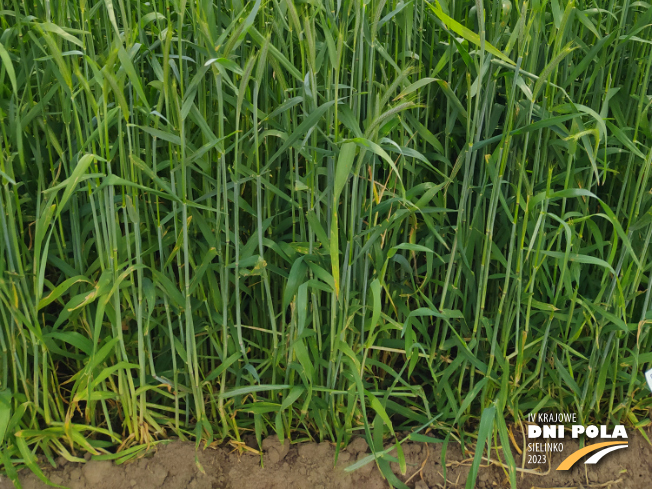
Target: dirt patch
310 466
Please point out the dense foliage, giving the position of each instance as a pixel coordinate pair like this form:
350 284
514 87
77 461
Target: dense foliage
320 218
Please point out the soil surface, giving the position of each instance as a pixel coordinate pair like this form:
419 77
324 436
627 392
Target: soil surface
177 465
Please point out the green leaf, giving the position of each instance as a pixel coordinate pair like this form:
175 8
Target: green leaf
343 169
5 412
414 86
342 172
365 143
131 73
61 289
241 391
484 434
55 29
295 279
72 181
550 67
466 33
292 396
308 123
164 135
9 67
586 259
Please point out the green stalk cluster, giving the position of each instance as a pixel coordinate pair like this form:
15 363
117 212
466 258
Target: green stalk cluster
320 219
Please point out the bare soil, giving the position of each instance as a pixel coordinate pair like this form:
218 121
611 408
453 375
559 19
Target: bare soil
310 466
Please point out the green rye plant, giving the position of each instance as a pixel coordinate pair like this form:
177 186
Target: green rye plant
318 219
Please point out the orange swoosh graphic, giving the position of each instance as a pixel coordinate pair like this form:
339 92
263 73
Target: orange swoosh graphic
575 456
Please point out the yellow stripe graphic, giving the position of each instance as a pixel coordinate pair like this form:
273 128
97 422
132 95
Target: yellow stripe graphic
575 456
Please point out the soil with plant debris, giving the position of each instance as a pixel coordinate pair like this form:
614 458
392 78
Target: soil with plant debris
177 465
